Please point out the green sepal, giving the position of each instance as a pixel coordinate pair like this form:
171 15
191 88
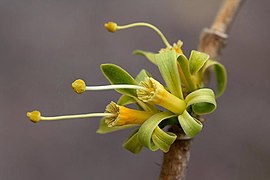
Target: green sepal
148 131
190 125
142 75
221 75
167 64
133 144
117 75
202 101
196 61
103 127
149 55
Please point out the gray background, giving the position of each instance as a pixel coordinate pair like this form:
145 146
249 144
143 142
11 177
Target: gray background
46 44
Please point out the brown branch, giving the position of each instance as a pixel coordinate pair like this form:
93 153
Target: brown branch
212 41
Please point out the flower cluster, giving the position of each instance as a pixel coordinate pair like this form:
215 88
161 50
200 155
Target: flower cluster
180 102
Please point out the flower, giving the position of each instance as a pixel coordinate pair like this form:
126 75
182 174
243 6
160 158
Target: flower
183 97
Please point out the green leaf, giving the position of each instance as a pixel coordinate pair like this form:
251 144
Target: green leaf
103 127
149 55
117 75
202 101
221 75
167 65
149 130
133 144
196 61
190 125
142 75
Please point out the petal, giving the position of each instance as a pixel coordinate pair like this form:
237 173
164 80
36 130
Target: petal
202 101
133 144
125 100
184 64
150 134
190 125
142 75
163 140
221 75
149 55
196 61
167 64
117 75
104 129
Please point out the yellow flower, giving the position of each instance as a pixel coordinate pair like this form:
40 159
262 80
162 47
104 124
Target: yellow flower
157 94
123 116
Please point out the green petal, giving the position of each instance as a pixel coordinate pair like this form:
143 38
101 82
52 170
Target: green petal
167 64
103 127
184 63
163 140
133 144
148 128
190 125
142 75
221 75
196 61
117 75
149 55
125 100
202 101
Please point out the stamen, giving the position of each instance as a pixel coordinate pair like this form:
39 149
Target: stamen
79 87
112 27
35 116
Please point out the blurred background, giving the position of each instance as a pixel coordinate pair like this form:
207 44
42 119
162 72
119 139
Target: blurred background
46 44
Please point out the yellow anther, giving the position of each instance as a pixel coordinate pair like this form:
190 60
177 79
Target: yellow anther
176 46
34 116
111 26
79 86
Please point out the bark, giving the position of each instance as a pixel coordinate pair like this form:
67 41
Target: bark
212 41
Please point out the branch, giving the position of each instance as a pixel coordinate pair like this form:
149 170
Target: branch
212 41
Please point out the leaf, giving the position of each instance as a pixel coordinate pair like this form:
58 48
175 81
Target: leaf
148 131
167 65
190 125
221 75
103 127
196 61
117 75
133 144
149 55
202 101
142 75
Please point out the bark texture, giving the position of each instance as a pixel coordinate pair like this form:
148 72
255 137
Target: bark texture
212 41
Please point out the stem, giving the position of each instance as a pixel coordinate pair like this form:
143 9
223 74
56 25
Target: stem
212 41
175 162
